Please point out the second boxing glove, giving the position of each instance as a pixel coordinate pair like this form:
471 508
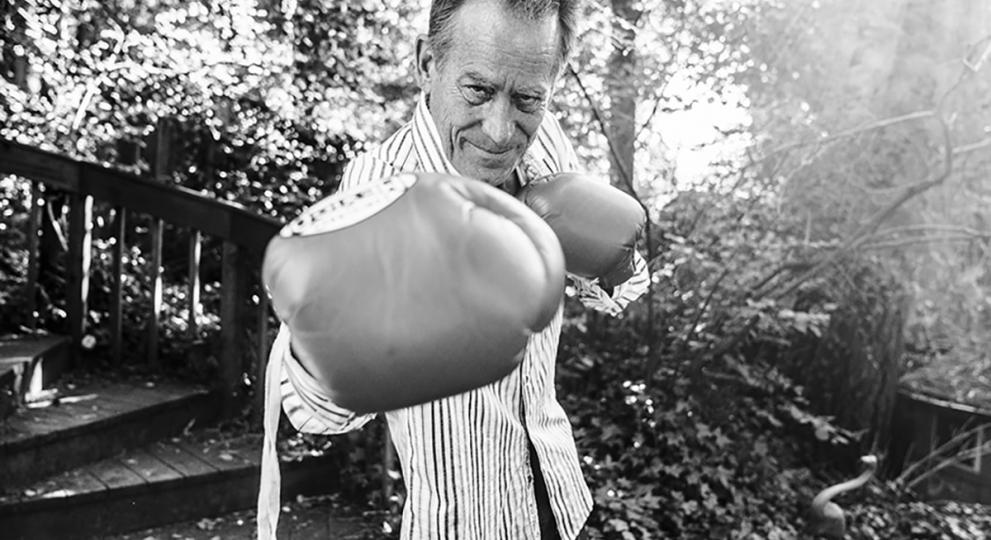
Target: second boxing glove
414 288
596 223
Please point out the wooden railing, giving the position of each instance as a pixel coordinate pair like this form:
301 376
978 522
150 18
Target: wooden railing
244 235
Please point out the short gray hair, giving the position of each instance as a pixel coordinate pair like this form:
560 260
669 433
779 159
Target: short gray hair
442 13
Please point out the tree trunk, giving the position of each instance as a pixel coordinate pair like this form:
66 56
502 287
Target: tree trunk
622 94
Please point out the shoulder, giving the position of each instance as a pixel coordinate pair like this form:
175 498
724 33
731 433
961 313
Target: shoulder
391 156
552 150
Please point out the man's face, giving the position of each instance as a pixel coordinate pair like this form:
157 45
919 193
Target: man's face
488 93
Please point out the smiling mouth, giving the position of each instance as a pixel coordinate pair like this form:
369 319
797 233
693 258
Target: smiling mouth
499 153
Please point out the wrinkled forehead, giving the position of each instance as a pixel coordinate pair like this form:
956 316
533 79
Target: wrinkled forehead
492 40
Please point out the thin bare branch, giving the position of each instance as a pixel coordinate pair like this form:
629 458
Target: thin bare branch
861 235
928 228
873 126
967 148
925 240
624 173
948 446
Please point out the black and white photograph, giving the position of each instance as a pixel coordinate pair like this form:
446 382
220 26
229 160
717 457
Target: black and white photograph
495 270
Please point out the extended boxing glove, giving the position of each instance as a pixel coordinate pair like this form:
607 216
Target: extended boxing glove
414 288
596 223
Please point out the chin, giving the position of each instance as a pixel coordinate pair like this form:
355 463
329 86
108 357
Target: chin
497 180
489 176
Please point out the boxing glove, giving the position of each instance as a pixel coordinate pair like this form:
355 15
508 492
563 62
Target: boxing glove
596 223
414 288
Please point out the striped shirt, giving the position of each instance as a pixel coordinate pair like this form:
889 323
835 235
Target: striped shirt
465 458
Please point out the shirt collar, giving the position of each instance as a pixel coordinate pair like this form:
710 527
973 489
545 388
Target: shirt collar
430 154
426 141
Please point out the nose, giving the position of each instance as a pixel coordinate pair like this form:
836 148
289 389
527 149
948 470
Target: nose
498 124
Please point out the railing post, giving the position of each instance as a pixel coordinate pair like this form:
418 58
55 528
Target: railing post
80 244
34 229
388 464
193 288
21 71
159 163
157 225
232 294
263 345
116 294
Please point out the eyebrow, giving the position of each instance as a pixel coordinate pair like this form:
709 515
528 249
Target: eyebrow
478 78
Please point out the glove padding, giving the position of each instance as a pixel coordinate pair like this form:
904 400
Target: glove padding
414 288
597 224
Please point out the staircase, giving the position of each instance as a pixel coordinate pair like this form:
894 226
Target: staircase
100 457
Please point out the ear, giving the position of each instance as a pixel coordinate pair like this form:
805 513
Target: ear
426 61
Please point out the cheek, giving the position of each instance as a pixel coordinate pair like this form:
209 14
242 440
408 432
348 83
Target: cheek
529 126
455 114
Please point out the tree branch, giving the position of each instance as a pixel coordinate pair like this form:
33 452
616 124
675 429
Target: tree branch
925 240
862 234
880 124
627 176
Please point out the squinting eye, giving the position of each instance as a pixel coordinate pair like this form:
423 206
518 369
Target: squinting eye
476 95
529 103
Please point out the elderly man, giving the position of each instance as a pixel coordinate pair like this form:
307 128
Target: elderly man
498 462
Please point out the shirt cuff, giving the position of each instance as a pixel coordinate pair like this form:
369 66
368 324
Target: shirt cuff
595 297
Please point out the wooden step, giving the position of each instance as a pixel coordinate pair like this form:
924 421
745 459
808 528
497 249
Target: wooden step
319 517
28 365
174 480
96 420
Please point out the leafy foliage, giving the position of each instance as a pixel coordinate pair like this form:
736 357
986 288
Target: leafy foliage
789 270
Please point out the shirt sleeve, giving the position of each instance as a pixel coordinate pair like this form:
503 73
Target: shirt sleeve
305 403
588 291
595 297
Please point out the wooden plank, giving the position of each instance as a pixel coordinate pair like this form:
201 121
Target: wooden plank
180 460
57 171
117 286
149 467
253 233
26 454
67 484
114 474
148 505
127 401
80 251
106 403
28 348
219 457
33 230
177 205
147 394
68 416
30 423
156 230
